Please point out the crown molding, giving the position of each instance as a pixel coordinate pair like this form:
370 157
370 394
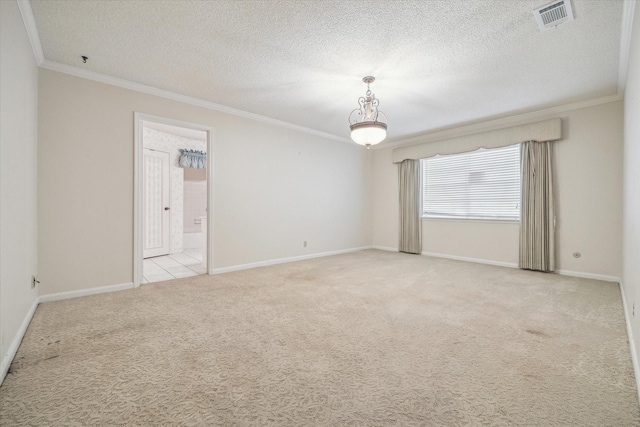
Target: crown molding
628 9
150 90
463 130
32 29
449 132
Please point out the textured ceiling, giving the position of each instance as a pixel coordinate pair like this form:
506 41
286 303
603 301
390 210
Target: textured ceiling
436 63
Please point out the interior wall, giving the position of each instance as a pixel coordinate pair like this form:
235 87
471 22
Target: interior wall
18 171
588 182
195 199
631 200
172 144
386 203
273 187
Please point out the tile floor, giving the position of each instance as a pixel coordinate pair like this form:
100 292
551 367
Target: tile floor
174 266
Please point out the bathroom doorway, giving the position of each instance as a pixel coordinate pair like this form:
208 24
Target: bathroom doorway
173 200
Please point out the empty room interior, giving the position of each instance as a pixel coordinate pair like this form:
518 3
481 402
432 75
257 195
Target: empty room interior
292 213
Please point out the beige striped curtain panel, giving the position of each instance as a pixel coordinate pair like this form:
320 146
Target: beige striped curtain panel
537 217
410 229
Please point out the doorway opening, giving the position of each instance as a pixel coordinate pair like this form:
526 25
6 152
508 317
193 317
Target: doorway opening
173 200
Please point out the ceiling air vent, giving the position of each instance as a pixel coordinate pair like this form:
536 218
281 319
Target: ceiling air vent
553 14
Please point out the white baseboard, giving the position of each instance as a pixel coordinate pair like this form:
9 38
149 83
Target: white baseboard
385 248
285 260
476 260
513 265
13 348
85 292
632 344
588 275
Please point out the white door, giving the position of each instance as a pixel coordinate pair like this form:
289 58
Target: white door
155 193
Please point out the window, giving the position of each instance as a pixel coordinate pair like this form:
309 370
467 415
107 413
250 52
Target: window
482 184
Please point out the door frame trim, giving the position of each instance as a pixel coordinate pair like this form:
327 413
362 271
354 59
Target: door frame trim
138 118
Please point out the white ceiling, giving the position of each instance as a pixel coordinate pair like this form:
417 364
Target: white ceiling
437 63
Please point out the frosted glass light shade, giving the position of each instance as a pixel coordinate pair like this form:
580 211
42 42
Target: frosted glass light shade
368 133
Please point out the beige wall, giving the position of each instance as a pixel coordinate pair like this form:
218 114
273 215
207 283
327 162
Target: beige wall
273 187
385 200
631 203
18 139
588 164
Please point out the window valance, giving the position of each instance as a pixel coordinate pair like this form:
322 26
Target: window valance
547 130
193 159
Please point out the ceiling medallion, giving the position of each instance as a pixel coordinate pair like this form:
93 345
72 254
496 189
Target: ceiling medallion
368 125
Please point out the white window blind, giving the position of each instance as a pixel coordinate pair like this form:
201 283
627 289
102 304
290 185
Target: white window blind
482 184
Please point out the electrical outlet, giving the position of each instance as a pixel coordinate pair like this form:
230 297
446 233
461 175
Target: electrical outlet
304 244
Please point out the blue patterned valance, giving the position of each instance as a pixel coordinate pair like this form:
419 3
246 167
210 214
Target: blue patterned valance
193 159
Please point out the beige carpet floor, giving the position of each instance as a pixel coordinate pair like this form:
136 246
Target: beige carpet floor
364 339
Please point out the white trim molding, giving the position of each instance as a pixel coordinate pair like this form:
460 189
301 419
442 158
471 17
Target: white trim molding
34 37
286 260
385 248
17 339
85 292
150 90
632 343
582 275
32 30
593 276
628 9
454 130
15 344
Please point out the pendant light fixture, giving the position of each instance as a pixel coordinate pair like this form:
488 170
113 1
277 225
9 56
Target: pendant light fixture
368 125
